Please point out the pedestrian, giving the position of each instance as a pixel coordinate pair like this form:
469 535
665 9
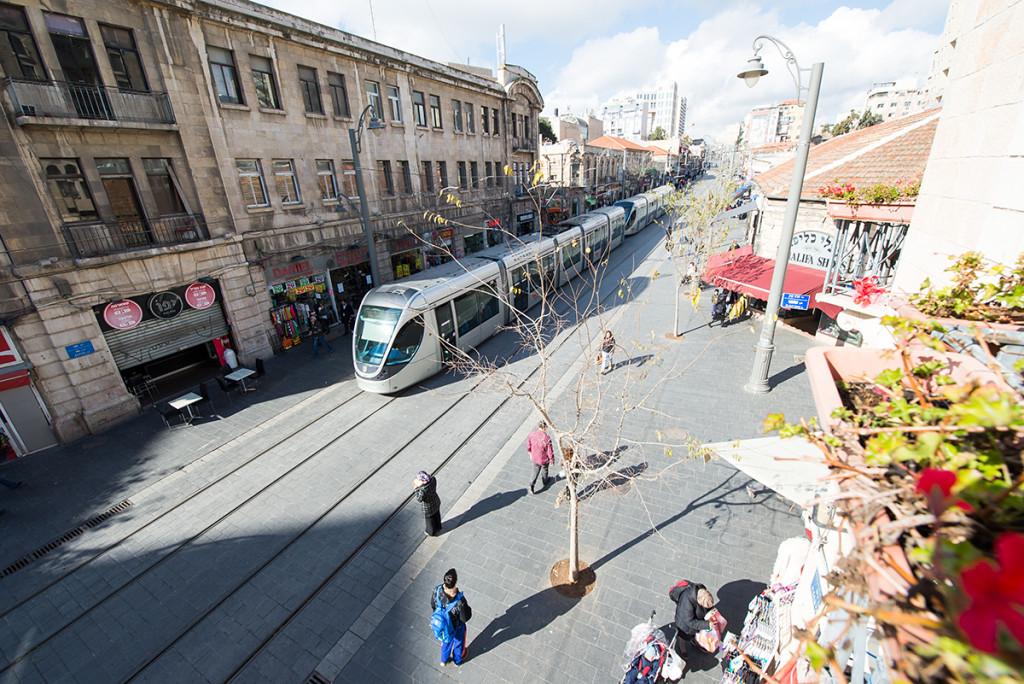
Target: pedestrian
345 315
10 484
538 445
426 494
693 601
607 347
444 595
318 329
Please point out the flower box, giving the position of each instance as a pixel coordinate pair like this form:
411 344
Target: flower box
899 212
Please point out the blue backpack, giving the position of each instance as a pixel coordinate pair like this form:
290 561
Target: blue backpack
441 620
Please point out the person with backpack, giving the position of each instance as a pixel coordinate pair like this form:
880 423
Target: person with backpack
448 621
693 601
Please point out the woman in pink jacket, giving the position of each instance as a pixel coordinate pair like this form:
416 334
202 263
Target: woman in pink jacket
538 444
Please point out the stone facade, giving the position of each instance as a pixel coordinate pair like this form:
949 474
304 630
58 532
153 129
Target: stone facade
260 158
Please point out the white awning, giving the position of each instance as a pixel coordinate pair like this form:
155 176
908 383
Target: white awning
794 468
745 208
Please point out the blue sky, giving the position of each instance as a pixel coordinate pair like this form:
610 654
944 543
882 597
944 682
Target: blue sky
583 52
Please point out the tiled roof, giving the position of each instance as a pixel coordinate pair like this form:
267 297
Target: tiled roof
657 151
774 147
885 152
611 142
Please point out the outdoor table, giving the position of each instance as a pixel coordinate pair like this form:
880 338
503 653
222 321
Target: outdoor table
185 402
240 375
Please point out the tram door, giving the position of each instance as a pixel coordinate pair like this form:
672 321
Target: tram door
445 331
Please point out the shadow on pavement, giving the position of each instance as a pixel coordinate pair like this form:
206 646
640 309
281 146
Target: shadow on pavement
483 507
619 480
733 599
528 616
786 374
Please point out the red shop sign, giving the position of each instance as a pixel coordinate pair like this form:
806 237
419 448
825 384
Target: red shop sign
123 315
200 296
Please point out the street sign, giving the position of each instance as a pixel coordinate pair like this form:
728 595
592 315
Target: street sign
79 349
795 301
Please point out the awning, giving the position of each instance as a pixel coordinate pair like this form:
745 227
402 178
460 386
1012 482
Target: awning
741 271
745 208
742 189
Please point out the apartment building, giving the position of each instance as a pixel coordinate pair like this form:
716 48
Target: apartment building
180 179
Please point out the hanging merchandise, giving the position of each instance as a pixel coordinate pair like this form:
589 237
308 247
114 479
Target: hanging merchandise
759 640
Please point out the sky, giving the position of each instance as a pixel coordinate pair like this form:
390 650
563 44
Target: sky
584 52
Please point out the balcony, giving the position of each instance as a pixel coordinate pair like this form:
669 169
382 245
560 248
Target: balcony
864 249
38 101
522 145
99 237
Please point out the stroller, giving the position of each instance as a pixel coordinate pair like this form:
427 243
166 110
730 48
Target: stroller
650 656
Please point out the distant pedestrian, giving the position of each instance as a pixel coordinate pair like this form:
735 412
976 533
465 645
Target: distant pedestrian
318 328
538 445
693 601
346 316
607 347
10 484
447 595
426 494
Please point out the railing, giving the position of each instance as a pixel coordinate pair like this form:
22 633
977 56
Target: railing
97 238
57 99
862 249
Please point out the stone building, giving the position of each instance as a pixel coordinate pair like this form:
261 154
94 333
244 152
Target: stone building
179 179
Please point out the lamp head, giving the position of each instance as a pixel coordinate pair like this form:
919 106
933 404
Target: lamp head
755 70
375 125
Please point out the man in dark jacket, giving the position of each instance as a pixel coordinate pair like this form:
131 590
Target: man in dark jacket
460 613
426 494
692 603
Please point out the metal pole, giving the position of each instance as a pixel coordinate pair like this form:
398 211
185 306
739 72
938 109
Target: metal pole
758 382
364 209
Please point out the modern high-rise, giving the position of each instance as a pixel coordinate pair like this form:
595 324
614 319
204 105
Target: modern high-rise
638 116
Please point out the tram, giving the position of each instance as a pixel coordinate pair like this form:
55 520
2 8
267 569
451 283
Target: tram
642 209
408 329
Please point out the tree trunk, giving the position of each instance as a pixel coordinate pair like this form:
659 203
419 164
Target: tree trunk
675 323
574 530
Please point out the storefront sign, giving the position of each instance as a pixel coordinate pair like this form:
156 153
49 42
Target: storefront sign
494 223
290 270
79 349
445 234
811 248
350 257
8 355
405 244
524 217
123 315
200 296
165 305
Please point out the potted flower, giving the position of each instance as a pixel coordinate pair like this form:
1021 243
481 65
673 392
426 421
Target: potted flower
884 202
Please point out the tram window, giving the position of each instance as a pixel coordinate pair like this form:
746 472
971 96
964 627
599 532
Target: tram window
617 228
407 342
570 255
373 332
548 264
473 308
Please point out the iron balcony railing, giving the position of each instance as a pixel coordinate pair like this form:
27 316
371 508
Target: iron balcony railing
99 237
57 99
862 249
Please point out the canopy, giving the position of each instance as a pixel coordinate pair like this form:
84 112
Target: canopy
740 270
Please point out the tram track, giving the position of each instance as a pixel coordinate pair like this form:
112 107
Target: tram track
238 583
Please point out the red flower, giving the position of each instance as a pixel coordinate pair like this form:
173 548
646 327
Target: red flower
937 485
866 290
997 595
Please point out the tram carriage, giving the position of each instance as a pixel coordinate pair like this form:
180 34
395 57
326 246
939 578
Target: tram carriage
643 209
406 330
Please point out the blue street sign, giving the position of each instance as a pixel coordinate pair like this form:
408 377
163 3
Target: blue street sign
795 301
79 349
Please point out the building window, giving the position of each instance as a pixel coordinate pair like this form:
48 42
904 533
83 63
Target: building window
225 77
405 171
263 79
163 186
442 174
419 108
484 121
428 177
515 126
250 177
348 178
395 104
474 174
18 53
287 184
124 58
373 99
69 190
457 116
499 175
470 126
325 178
435 111
494 123
463 179
310 88
385 180
339 94
487 173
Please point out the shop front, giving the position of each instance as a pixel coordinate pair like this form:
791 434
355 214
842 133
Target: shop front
526 223
406 256
24 420
297 288
349 277
162 335
438 248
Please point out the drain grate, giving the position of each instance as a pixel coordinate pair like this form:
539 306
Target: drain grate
64 538
316 678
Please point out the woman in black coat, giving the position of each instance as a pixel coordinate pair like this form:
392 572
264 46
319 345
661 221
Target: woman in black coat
426 494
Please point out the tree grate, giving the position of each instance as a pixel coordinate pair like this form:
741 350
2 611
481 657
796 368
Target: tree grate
64 538
316 678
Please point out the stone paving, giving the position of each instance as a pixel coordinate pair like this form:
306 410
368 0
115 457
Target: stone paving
676 518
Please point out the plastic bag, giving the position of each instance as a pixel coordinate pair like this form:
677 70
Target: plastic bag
711 638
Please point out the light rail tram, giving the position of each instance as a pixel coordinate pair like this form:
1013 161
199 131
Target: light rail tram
407 330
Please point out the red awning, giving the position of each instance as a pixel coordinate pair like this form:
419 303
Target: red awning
716 260
18 378
752 275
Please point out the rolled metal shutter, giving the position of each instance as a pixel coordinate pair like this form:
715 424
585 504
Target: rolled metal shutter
156 338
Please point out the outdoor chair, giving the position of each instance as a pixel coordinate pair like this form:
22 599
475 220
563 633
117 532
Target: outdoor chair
260 372
168 413
226 386
204 392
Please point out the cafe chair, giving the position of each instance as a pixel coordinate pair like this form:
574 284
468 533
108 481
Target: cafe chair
260 371
204 392
168 412
226 386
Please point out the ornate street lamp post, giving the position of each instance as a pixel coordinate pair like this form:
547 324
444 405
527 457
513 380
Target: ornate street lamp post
355 138
755 69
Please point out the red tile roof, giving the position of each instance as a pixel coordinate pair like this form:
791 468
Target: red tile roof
657 151
894 150
774 147
613 143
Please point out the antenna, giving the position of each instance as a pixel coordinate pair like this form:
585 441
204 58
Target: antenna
501 44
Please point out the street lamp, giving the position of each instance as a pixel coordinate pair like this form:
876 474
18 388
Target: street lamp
355 137
755 69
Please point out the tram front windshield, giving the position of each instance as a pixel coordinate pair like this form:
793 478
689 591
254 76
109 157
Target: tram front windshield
374 329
